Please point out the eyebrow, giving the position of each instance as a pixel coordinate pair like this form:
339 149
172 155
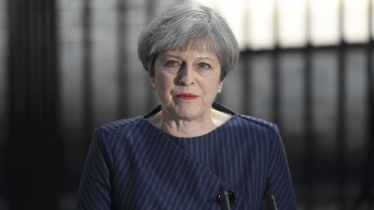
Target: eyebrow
167 56
197 58
203 58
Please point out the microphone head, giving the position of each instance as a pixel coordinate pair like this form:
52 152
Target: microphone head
271 200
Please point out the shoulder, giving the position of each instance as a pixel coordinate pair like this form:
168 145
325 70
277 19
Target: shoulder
254 128
120 128
129 128
129 125
125 131
248 123
257 122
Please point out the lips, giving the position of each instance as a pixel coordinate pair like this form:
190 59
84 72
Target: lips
187 96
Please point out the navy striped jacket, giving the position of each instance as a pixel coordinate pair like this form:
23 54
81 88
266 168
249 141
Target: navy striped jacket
133 165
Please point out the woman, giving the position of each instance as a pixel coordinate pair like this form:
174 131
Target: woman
189 152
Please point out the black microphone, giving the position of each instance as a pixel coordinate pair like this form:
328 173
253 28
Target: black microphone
224 198
271 200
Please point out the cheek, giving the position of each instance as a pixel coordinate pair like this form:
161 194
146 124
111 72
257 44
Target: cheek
164 82
211 88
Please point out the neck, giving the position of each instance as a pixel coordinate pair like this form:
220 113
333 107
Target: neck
189 127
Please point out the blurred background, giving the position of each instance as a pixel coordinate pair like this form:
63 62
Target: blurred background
68 66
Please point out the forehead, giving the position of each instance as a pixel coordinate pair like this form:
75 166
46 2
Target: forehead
199 46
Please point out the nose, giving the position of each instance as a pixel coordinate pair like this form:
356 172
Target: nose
186 75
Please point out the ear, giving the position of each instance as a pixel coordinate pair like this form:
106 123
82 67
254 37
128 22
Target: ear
151 81
221 83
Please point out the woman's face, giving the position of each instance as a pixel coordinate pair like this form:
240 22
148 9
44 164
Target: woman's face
187 82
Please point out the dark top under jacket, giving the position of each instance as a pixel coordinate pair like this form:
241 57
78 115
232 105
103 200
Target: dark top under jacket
135 166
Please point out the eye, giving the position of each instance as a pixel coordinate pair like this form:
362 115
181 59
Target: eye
204 66
171 63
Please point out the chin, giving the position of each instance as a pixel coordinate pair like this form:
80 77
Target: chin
187 113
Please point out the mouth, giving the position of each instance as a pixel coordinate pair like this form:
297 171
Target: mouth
187 96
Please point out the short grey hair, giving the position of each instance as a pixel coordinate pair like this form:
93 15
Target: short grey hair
190 25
